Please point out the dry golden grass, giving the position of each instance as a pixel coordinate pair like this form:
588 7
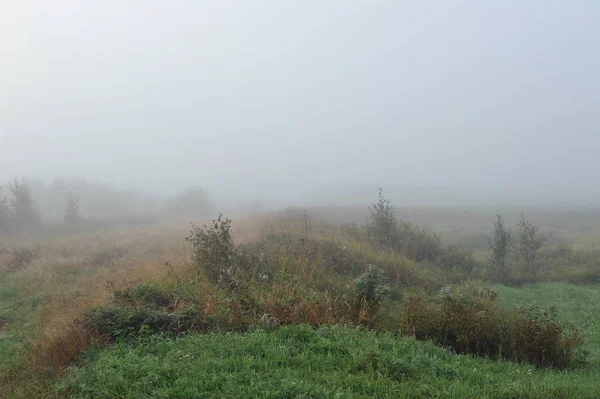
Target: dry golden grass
72 273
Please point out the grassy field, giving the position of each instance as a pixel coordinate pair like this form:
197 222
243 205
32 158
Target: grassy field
344 362
304 277
18 318
301 362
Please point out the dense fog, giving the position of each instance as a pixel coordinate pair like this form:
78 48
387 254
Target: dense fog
270 103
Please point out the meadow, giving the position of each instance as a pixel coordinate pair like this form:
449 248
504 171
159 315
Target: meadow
288 306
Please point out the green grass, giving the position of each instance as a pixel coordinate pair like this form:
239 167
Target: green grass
299 362
17 322
342 362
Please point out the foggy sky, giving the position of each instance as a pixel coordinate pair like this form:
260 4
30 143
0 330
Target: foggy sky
305 100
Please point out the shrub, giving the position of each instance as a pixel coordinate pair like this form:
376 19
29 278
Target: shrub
536 337
530 242
117 322
418 244
456 257
214 251
402 237
500 246
468 320
147 294
382 222
370 287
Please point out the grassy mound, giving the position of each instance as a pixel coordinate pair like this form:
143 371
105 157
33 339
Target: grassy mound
299 361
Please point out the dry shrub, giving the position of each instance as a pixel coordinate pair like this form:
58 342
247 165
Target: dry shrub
468 320
146 309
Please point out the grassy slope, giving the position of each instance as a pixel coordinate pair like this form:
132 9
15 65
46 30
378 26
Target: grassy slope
339 362
301 362
17 321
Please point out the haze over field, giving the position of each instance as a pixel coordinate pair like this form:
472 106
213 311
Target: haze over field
440 103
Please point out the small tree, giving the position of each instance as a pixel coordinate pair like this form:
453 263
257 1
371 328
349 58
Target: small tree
370 291
500 246
371 288
4 212
23 209
214 249
529 244
382 224
72 210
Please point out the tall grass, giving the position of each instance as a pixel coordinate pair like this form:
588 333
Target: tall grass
299 361
143 281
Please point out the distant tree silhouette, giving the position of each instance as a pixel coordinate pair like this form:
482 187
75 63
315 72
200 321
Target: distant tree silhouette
25 215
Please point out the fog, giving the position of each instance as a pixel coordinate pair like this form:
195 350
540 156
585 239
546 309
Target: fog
311 102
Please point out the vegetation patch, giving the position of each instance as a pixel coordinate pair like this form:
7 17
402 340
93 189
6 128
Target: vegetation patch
470 320
300 361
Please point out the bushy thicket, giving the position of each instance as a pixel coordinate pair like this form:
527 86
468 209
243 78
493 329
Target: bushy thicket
214 251
385 230
522 256
515 257
284 279
469 320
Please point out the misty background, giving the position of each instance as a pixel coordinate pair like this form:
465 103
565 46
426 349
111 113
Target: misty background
440 103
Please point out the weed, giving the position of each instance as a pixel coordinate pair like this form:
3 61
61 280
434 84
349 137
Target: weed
214 249
371 287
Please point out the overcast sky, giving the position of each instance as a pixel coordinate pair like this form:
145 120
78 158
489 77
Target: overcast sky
281 99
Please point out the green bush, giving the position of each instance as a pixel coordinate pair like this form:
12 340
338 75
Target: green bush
117 322
214 249
456 257
371 288
147 294
382 226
